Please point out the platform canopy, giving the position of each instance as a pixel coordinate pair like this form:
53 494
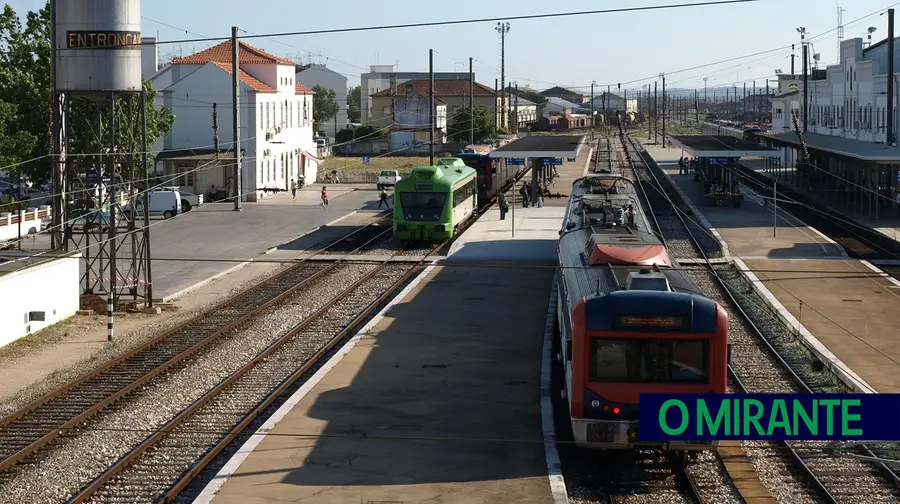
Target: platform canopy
540 147
723 147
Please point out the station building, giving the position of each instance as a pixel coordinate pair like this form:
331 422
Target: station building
276 122
851 168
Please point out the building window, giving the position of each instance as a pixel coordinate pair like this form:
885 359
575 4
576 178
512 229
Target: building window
268 117
262 168
291 115
261 124
386 110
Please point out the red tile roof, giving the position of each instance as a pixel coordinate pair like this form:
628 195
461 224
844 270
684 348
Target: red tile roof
254 83
455 87
221 53
301 89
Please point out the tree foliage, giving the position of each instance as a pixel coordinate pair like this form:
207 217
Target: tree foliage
354 105
25 82
459 125
325 105
360 133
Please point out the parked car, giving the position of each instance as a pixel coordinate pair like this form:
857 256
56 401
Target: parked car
321 143
165 203
388 178
188 200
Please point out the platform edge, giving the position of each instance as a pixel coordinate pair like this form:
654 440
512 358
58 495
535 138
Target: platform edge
807 338
554 465
212 488
881 273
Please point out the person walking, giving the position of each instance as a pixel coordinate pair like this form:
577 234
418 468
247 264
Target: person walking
294 189
383 198
324 197
504 206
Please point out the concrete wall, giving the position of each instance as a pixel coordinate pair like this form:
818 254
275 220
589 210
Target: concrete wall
51 287
9 224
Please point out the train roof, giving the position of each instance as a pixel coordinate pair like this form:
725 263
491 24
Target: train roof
601 252
435 178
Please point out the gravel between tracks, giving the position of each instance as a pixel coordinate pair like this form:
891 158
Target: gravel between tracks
57 473
154 472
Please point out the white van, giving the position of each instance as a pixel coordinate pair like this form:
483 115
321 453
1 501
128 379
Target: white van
165 203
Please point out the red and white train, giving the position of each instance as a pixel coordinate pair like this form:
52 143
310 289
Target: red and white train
630 321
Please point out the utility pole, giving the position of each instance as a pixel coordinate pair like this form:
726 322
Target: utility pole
756 103
503 29
889 138
705 94
431 115
497 111
793 73
236 113
655 114
517 108
663 76
806 87
471 104
593 110
744 104
696 107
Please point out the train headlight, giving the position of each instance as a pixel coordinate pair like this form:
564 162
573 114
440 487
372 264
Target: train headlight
595 403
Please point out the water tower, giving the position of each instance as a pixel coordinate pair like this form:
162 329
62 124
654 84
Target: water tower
99 143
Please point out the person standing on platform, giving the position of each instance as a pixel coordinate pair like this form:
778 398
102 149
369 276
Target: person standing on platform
324 197
382 198
229 186
294 189
504 206
525 195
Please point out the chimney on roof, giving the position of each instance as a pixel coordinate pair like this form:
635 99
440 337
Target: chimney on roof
149 56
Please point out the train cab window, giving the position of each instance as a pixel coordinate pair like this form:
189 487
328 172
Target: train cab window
423 206
649 361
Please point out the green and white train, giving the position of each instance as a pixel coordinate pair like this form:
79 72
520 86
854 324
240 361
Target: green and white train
431 203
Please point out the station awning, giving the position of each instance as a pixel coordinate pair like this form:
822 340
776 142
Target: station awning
541 147
723 147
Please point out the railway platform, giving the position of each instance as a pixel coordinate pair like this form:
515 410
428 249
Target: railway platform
843 309
212 240
439 398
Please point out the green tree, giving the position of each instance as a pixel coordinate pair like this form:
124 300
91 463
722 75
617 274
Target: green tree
354 105
458 126
13 144
25 81
325 105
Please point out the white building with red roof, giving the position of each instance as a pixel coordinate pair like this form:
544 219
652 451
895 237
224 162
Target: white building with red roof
276 122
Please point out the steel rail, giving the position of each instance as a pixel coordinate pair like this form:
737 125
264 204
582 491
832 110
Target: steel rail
185 479
679 466
809 472
185 414
88 412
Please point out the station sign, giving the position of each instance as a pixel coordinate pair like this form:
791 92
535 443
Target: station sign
515 161
570 160
553 161
89 39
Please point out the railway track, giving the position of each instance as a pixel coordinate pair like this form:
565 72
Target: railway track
168 460
795 472
122 456
39 423
638 476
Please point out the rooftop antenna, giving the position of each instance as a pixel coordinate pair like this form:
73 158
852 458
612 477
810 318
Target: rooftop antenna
840 28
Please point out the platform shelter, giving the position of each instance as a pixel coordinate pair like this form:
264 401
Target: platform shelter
843 173
545 153
717 160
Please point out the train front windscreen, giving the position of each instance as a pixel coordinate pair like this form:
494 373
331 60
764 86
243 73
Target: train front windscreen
641 360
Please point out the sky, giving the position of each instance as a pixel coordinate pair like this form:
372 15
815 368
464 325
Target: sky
630 47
